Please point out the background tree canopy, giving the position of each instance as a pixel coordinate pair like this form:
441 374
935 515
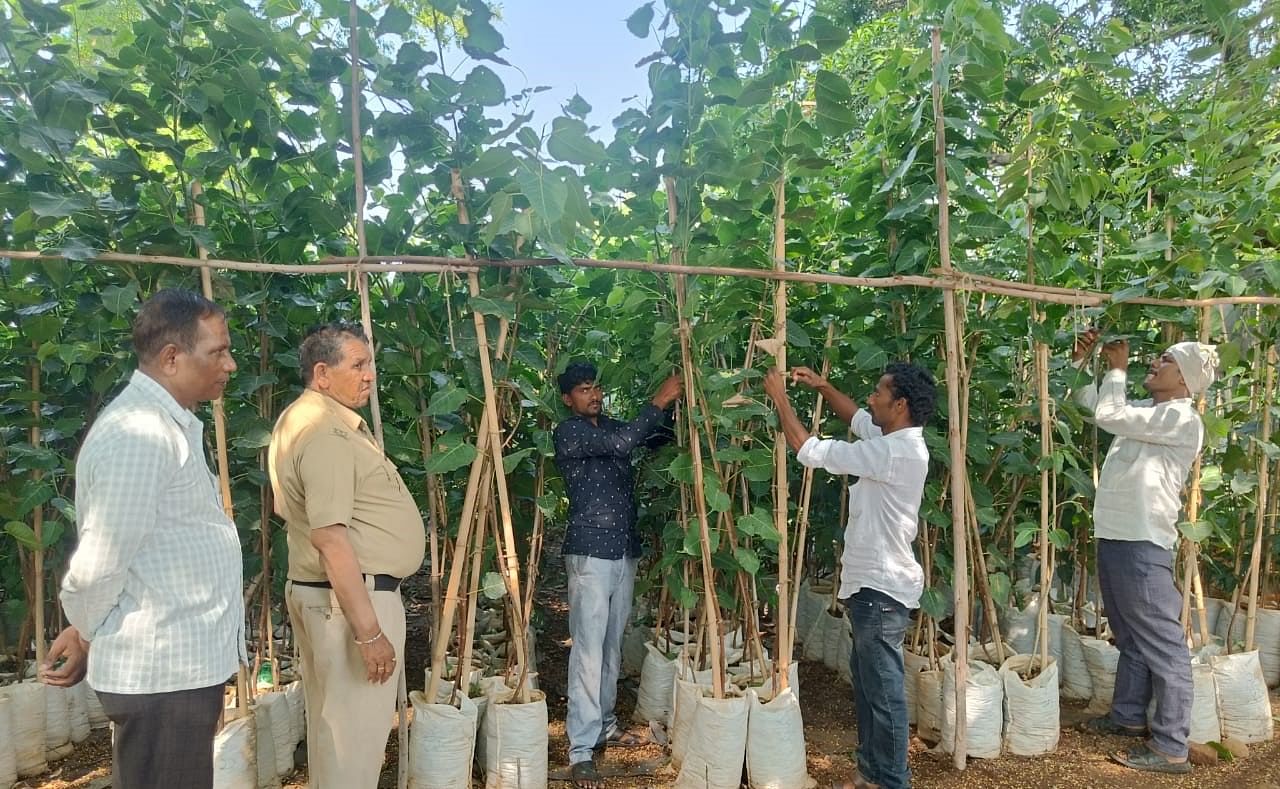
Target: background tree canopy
1131 148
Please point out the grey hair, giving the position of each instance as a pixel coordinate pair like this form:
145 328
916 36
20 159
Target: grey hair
323 345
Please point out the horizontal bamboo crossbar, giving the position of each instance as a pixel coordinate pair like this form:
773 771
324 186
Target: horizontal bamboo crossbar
432 264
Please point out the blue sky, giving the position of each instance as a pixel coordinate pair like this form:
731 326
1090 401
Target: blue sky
573 46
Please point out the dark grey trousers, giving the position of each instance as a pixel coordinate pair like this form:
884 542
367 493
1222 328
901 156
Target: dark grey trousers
163 740
1145 611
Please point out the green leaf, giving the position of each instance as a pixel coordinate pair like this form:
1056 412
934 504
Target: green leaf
48 204
492 163
1195 531
510 462
569 142
256 437
447 400
831 91
500 308
493 587
747 560
1024 533
482 86
681 468
1000 587
23 534
483 39
933 603
640 20
119 300
447 457
395 21
826 35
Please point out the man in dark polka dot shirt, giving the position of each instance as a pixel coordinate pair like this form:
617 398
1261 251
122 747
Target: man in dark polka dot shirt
600 551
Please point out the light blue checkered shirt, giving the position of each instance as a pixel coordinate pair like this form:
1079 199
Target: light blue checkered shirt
155 582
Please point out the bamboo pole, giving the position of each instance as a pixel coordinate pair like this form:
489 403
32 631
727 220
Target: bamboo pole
1192 589
431 264
37 520
1264 470
959 474
785 636
1046 450
712 611
466 639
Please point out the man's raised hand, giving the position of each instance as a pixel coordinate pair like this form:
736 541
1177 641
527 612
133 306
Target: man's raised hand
807 377
670 391
1085 343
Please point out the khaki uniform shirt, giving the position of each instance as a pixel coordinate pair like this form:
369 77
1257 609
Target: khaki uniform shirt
327 469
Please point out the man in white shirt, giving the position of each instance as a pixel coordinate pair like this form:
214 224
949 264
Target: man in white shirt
155 584
880 579
1135 513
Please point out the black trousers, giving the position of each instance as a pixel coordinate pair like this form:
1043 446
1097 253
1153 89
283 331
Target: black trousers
163 740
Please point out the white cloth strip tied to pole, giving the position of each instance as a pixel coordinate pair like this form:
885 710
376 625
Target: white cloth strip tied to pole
442 741
775 742
1243 703
1031 720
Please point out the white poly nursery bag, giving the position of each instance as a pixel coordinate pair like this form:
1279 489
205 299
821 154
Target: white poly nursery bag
1073 670
78 712
1020 627
1205 725
717 745
833 648
297 712
912 665
57 723
929 705
657 679
442 741
515 742
1266 639
686 695
265 742
984 709
1243 703
633 651
1101 657
1031 712
764 687
281 730
1213 609
775 743
27 710
235 761
844 653
97 715
8 759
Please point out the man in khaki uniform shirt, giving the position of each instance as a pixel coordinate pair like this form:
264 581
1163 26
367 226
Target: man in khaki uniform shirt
354 531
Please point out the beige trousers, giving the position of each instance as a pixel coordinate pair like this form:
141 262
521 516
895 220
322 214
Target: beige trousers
348 717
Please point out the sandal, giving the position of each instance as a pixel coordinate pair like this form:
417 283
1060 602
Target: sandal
627 739
1143 758
1104 725
584 775
857 782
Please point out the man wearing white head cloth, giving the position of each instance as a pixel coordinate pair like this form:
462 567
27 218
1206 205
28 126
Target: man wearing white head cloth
1135 515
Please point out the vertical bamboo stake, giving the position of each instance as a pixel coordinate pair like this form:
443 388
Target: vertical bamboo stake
782 666
712 611
1260 517
243 685
1191 584
37 519
467 638
1046 449
958 469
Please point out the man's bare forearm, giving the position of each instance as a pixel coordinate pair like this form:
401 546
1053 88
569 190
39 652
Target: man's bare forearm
343 571
842 405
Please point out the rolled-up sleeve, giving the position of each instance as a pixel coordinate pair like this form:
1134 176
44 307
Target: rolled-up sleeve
870 459
115 499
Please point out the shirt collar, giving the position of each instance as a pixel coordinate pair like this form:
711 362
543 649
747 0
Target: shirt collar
345 415
151 388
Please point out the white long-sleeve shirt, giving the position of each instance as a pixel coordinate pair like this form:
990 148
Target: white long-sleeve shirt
884 506
155 582
1140 488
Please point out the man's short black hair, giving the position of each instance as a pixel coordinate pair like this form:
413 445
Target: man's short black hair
170 317
576 373
324 343
914 384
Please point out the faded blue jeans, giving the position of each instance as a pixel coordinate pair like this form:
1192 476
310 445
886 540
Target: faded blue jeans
599 605
879 694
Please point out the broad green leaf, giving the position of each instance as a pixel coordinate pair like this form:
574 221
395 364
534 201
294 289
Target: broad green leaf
119 300
933 603
447 401
482 86
492 163
512 461
1000 587
569 142
23 534
501 308
640 19
48 204
256 437
747 560
395 20
826 35
449 456
1195 531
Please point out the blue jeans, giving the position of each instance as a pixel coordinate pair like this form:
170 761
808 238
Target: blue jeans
879 693
1144 609
599 605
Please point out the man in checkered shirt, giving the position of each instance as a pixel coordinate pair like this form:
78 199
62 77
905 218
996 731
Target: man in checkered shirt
155 582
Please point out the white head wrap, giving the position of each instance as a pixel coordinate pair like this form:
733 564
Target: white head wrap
1198 364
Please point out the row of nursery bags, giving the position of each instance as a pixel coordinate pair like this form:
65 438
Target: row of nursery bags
256 751
40 723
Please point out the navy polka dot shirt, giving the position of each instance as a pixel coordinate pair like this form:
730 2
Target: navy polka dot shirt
595 461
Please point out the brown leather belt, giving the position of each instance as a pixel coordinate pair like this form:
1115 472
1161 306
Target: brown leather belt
381 583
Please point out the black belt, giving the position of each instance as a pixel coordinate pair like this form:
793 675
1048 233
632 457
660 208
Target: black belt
381 583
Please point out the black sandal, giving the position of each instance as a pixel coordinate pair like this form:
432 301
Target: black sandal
584 775
1143 758
1104 725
